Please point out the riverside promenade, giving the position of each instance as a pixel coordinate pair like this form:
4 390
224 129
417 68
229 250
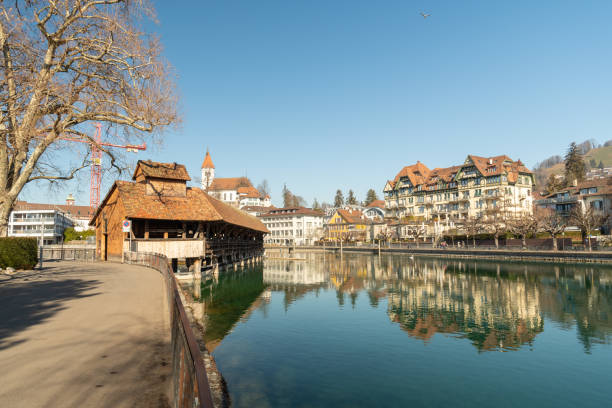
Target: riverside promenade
84 335
515 254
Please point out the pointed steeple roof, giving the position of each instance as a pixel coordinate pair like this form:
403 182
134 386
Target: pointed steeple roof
208 164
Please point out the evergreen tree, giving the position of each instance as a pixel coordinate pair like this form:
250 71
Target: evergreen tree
315 205
592 163
601 165
371 197
339 199
351 200
574 164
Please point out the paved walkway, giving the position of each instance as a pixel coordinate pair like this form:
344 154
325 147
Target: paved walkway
84 335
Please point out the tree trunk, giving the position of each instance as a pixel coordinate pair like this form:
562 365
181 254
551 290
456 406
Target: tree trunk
5 213
496 241
589 241
474 242
524 241
554 239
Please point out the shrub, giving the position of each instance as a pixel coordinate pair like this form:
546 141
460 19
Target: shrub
19 253
70 234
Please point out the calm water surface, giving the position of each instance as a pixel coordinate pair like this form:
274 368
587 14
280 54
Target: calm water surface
392 331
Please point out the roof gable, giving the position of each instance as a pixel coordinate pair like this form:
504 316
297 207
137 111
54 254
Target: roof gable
169 171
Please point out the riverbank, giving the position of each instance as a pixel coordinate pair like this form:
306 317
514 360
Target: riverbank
464 253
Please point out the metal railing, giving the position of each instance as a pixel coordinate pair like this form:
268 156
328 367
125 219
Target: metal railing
68 254
190 382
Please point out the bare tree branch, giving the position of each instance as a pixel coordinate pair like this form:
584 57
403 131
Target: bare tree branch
66 64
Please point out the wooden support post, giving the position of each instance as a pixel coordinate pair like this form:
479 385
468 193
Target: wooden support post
197 278
146 229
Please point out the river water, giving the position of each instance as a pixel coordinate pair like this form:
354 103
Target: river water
391 331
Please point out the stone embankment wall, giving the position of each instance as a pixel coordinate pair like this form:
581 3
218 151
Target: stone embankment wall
519 255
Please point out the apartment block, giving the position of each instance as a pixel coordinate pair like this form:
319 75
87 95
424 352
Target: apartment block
449 195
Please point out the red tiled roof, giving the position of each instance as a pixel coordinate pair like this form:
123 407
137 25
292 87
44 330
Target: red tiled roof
604 187
207 163
257 208
417 174
352 216
171 171
248 192
75 211
445 175
377 203
496 165
229 183
195 206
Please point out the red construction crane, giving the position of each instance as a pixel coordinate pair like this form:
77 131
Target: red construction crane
96 163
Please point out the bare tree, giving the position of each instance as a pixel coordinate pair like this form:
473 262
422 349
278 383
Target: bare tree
472 226
416 231
587 221
496 222
264 188
522 225
550 222
65 65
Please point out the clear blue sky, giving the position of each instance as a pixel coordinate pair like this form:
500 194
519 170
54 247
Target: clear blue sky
341 94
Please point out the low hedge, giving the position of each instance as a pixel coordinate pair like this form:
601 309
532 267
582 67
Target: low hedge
19 253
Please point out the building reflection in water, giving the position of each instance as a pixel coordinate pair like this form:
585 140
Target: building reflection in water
494 305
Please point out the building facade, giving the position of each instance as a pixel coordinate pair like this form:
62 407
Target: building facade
235 191
595 193
347 225
78 214
375 210
46 225
293 226
446 196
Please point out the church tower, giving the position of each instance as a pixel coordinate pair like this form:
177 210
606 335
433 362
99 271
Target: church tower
208 171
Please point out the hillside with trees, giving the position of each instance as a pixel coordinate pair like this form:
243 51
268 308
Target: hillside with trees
594 155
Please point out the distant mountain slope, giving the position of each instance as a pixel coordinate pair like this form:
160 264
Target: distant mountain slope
601 154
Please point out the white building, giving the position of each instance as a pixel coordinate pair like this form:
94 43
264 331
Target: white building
78 214
46 225
293 226
375 210
235 191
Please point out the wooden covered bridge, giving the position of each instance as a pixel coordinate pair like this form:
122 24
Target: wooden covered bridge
184 223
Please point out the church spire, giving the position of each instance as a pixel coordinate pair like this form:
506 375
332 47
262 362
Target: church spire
207 164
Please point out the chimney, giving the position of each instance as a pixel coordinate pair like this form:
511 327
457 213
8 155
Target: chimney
574 183
490 161
70 200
